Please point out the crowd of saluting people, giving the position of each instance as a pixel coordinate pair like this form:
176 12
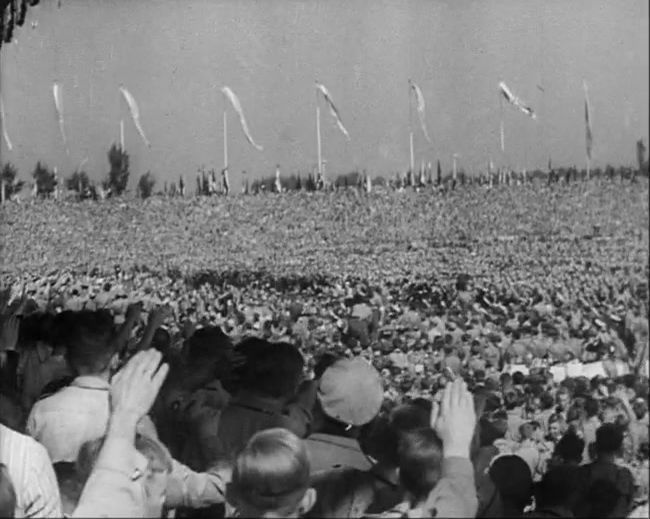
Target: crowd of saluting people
108 413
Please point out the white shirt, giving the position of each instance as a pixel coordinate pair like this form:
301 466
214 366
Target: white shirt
32 475
63 422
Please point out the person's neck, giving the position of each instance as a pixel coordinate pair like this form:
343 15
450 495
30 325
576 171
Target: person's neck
606 458
104 375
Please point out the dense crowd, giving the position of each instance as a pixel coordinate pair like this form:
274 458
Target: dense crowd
511 381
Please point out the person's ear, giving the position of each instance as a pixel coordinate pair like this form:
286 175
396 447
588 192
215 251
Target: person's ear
307 502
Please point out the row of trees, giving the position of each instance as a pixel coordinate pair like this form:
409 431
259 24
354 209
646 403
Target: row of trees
46 182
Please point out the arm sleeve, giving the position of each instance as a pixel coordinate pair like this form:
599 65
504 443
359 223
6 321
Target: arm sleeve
43 498
114 488
455 493
187 488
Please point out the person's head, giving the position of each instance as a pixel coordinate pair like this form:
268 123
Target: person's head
7 494
380 439
612 409
538 432
592 407
526 431
154 480
512 477
518 378
420 463
574 417
270 477
275 371
609 440
546 400
161 340
559 487
511 400
209 352
640 408
350 395
555 427
91 347
570 448
506 381
563 398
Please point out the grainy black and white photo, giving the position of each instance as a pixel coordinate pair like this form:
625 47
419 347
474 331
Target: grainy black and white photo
324 258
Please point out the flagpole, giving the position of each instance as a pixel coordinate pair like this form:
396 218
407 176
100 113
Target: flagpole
412 163
225 140
121 134
318 143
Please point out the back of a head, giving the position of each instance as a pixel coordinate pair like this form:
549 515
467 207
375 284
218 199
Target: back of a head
91 346
207 345
570 447
271 474
609 439
512 477
420 462
558 487
511 400
592 407
274 371
7 494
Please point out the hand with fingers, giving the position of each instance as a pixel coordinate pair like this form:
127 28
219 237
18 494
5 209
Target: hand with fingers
134 389
454 419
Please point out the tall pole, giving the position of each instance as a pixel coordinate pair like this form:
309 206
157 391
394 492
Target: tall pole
412 162
121 134
225 140
318 145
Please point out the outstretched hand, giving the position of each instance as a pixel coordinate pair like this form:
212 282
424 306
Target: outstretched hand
135 387
454 419
9 333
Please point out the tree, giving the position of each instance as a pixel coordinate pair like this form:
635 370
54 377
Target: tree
12 14
9 174
45 180
78 182
118 176
146 185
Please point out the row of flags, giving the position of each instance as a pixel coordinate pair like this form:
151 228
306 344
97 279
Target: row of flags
505 94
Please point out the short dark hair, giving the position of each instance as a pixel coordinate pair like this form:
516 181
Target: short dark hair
511 400
275 370
90 343
420 461
570 447
609 438
518 378
546 400
592 407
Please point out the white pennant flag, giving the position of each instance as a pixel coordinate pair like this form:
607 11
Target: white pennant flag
515 101
135 114
58 104
4 126
234 101
420 108
335 113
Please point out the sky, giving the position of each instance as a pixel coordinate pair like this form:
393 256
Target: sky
174 57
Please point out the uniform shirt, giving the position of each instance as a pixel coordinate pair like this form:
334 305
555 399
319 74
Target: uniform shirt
74 415
32 475
329 452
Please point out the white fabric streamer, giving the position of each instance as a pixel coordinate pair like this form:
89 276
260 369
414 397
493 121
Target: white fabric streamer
4 126
58 103
515 101
135 114
335 113
234 101
420 108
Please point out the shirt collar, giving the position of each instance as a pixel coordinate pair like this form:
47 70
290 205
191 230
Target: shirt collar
90 382
339 441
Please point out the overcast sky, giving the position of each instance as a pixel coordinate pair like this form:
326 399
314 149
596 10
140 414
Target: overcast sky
175 56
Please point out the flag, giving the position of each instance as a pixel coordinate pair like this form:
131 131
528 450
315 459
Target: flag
420 108
234 101
335 113
4 125
58 104
515 101
588 135
135 114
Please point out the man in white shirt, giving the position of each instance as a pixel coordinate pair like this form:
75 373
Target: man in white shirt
32 475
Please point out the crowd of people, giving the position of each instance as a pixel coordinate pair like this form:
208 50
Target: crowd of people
118 408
